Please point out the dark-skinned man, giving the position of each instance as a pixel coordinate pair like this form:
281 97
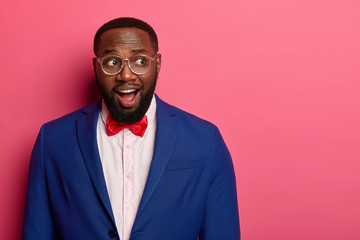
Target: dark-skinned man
130 166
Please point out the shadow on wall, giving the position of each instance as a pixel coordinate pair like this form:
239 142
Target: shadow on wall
82 83
92 92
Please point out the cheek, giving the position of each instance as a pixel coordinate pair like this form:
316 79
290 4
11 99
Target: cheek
102 78
146 82
105 83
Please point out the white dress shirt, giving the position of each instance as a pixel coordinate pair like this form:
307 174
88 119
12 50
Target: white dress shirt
126 160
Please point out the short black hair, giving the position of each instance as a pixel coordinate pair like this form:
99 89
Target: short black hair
127 22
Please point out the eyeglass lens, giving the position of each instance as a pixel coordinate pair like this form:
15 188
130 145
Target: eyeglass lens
138 64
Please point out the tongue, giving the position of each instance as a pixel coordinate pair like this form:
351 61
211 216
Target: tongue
127 100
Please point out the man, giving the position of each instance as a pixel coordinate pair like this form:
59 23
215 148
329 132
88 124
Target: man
130 166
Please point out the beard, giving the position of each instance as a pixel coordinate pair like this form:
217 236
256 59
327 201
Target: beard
126 116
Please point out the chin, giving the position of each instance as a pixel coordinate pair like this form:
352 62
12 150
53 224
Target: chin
133 114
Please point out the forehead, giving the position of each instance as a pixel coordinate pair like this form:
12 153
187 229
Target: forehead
124 40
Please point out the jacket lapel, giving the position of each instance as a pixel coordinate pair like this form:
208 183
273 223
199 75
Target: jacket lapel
166 128
86 133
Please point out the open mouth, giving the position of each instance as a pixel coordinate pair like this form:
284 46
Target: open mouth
127 98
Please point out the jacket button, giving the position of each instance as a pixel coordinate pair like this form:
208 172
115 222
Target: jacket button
112 234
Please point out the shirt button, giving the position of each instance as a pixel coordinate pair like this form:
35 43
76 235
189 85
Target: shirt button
128 146
128 207
128 176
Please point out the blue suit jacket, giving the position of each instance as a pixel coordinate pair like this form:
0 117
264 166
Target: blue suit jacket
190 192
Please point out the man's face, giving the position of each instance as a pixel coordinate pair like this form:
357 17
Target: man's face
127 95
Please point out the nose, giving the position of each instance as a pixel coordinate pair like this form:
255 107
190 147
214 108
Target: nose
125 74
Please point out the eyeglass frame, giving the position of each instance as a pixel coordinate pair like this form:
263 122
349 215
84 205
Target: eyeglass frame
100 60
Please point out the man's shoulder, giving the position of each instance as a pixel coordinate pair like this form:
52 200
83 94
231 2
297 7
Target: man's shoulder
70 118
185 118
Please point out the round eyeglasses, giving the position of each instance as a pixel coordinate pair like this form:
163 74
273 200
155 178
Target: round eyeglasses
138 64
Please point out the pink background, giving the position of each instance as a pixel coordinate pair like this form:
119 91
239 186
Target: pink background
280 78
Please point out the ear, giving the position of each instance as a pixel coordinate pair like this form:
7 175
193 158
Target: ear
94 64
158 62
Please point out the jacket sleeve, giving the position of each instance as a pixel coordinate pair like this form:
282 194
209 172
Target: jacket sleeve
221 220
38 223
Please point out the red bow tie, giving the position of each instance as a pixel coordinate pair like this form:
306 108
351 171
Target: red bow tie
113 127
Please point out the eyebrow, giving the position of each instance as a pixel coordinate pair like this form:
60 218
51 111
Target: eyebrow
109 51
138 50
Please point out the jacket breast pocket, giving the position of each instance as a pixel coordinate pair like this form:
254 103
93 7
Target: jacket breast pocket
183 164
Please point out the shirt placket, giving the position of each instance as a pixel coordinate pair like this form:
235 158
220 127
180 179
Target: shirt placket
128 180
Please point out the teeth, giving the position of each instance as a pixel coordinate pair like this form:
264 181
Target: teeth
127 91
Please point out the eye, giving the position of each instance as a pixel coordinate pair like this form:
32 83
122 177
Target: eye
111 62
140 61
